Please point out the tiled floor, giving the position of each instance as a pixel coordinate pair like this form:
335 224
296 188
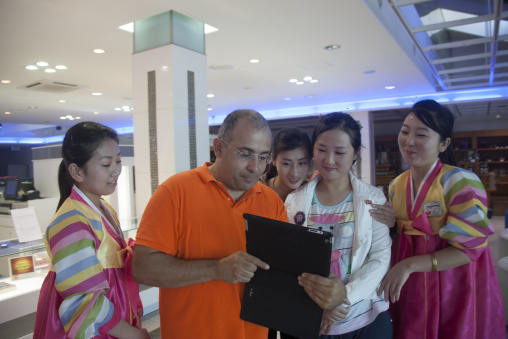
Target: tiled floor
152 321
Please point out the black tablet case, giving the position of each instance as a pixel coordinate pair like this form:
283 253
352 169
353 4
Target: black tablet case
273 298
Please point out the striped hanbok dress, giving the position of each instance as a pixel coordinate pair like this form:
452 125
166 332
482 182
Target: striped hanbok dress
89 287
449 209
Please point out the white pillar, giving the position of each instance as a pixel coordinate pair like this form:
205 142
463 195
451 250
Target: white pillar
170 108
367 170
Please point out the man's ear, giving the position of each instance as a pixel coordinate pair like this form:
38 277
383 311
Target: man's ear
76 173
218 147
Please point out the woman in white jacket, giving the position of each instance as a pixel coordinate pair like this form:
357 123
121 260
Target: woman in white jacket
338 202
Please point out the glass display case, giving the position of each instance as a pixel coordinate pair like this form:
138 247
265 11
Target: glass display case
19 297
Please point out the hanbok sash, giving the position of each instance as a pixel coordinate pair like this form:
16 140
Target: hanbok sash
418 224
115 252
126 255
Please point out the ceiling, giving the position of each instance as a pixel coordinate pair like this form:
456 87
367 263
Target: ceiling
420 47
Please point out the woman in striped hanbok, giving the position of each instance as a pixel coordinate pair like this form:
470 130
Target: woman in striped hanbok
88 292
442 282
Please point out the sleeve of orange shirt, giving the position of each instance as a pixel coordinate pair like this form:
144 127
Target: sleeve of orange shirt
282 214
160 211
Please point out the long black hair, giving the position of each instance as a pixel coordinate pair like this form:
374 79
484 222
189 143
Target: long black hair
287 139
80 143
439 119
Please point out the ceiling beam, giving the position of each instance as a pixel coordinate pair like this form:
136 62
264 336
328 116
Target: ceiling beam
447 24
455 44
463 69
498 83
477 77
400 3
462 58
497 12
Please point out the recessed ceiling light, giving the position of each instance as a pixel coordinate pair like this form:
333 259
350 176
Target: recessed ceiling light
293 80
127 27
389 87
60 67
299 82
62 101
307 79
95 112
7 113
210 29
209 108
32 107
165 68
50 70
118 109
498 116
313 81
96 93
99 51
31 67
210 95
254 61
6 81
331 47
42 63
70 117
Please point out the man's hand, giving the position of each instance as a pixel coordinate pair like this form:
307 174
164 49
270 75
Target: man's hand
328 293
239 267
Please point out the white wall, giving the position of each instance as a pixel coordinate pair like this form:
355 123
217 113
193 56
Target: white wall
46 177
367 164
122 200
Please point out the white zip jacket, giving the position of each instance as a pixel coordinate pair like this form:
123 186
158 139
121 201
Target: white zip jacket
371 242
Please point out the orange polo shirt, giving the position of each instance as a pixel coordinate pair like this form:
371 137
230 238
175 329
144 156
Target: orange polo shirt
192 216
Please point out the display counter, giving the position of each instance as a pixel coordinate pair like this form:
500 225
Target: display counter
18 306
44 209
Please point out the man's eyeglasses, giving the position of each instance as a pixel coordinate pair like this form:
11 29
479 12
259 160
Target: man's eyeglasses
248 156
